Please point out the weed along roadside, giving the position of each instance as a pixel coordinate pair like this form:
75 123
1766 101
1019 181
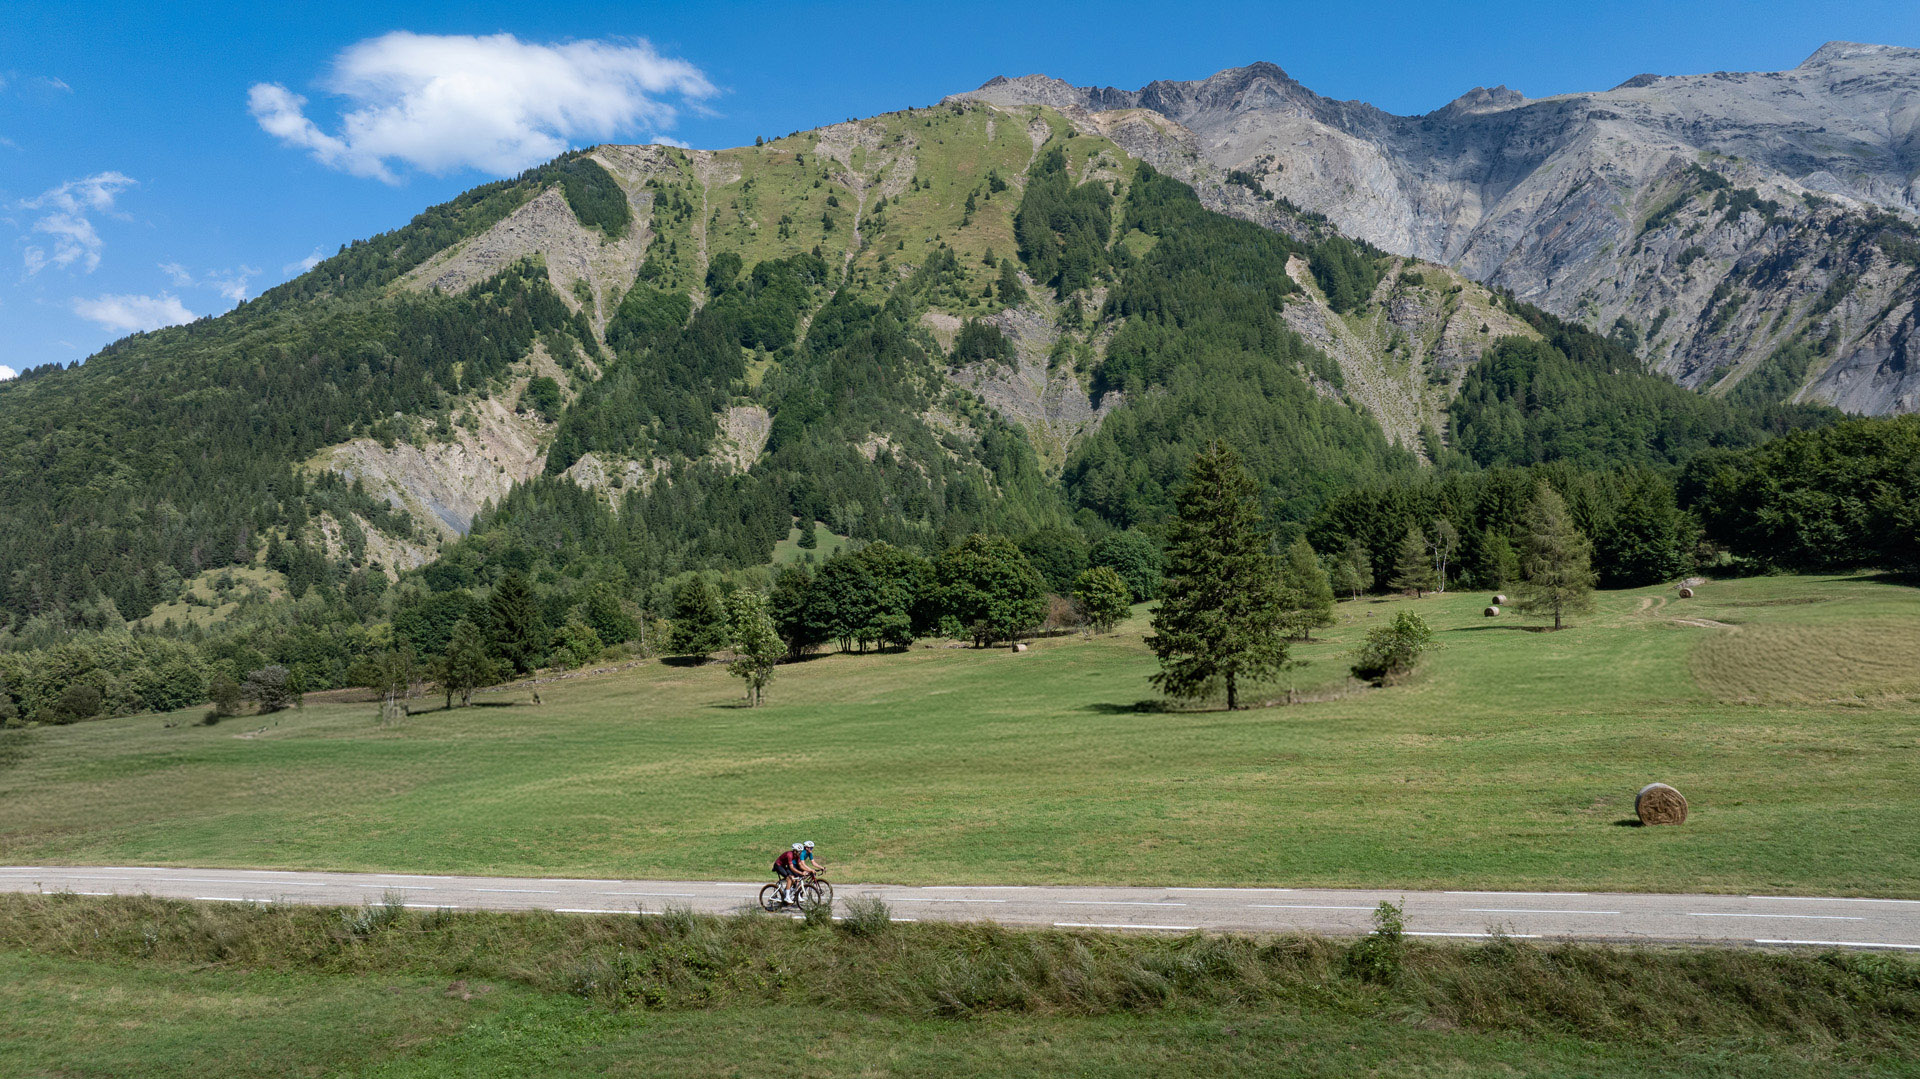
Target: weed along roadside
581 984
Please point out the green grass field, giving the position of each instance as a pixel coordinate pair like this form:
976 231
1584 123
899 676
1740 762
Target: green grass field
1786 711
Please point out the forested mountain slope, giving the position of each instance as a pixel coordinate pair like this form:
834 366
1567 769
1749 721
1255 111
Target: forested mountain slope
1745 233
638 361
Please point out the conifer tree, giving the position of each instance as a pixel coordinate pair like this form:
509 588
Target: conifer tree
699 625
1556 573
518 633
1220 618
1308 594
1498 566
1412 571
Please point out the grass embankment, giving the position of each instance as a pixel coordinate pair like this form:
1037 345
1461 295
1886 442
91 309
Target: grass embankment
1510 761
157 987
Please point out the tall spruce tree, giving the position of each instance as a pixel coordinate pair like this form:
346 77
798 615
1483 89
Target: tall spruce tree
699 625
1412 569
1556 573
517 633
1221 614
1307 594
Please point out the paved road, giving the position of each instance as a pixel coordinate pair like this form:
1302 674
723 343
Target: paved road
1611 916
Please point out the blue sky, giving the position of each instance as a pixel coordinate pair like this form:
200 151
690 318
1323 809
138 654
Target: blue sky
158 161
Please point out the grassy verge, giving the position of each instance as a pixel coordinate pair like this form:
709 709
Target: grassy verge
1508 762
202 989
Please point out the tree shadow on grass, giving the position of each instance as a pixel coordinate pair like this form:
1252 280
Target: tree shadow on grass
1148 707
1629 822
1508 627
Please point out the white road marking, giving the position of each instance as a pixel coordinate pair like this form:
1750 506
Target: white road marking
1523 910
222 880
1117 925
1513 893
1830 899
1117 903
1304 906
432 906
572 880
933 899
94 893
71 876
666 895
1801 917
527 891
587 910
1227 889
903 919
393 887
227 899
1433 933
1841 943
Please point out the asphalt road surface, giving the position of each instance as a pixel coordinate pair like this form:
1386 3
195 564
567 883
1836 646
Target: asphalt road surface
1765 920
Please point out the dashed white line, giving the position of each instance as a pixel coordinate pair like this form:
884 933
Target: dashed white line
1800 917
1117 903
227 899
667 895
93 893
1304 906
588 910
432 906
1842 943
1117 925
221 880
1514 893
1525 910
1434 933
934 899
525 891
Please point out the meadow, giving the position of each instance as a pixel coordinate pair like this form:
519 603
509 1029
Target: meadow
1785 709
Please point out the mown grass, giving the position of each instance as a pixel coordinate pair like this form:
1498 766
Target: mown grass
481 993
1508 761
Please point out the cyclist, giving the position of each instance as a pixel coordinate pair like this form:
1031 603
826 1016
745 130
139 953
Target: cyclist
807 865
788 867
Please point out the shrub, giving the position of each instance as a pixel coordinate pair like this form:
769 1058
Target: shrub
1393 649
77 702
1378 956
271 687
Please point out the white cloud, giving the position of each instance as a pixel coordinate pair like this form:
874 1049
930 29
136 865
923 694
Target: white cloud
68 223
303 265
6 372
125 314
230 284
495 103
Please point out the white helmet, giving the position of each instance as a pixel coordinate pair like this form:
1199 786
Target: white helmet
797 846
808 844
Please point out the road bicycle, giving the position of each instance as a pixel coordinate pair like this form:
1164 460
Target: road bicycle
807 895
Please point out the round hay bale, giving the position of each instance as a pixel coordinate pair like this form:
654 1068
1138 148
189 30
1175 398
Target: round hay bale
1499 600
1658 803
1686 593
1491 611
1019 647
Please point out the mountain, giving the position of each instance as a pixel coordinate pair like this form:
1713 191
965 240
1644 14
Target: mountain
1747 233
635 362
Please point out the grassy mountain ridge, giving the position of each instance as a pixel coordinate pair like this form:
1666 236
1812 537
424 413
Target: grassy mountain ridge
909 327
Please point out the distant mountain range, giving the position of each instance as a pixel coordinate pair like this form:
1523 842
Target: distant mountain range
1731 226
1020 310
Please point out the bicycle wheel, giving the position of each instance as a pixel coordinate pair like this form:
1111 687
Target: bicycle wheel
770 898
826 890
812 896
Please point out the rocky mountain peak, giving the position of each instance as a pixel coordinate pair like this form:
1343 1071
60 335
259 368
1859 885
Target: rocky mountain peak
1834 52
1480 99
